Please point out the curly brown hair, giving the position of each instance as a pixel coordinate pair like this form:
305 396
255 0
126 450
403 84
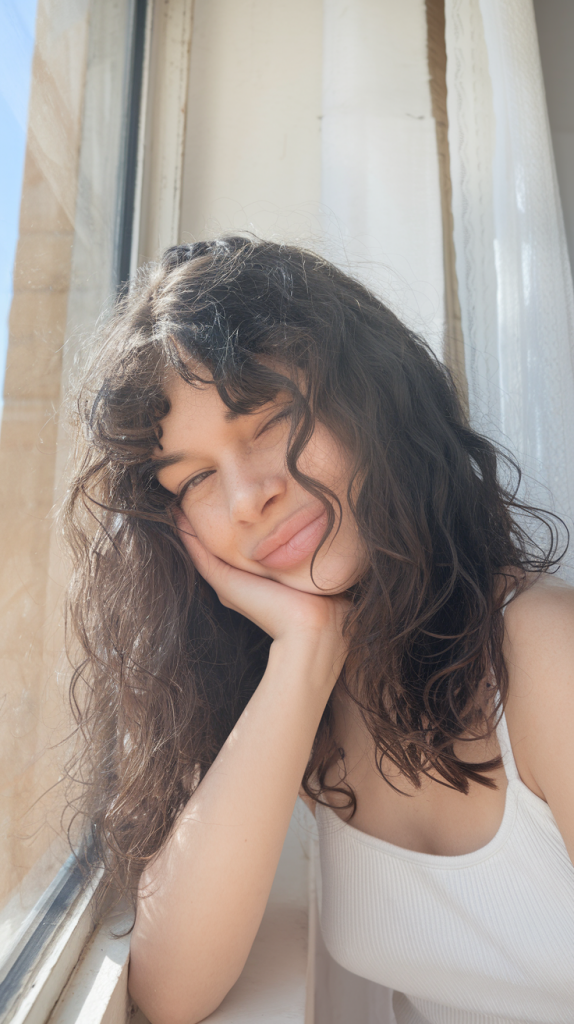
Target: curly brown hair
165 670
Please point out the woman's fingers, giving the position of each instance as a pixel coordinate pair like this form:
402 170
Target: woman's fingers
218 574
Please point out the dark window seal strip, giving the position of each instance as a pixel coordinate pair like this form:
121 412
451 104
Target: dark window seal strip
127 211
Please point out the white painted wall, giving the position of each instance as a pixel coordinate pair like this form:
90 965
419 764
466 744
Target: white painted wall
380 181
253 144
310 120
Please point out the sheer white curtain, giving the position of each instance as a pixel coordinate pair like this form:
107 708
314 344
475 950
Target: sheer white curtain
512 264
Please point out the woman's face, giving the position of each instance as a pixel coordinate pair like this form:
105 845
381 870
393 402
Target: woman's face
240 499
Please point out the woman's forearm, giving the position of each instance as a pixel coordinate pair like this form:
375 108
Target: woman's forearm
203 898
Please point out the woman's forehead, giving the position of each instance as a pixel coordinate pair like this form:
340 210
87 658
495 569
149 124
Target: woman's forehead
198 416
194 408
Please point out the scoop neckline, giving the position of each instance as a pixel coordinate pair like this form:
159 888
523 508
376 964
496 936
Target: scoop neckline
441 860
514 786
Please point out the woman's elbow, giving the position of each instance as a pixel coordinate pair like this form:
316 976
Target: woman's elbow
162 1005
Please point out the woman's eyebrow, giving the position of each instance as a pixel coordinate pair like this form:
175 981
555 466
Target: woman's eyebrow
167 460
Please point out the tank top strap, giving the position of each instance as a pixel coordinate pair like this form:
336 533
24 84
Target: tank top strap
506 749
502 733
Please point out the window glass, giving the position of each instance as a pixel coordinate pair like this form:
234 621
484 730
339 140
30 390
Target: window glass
17 19
65 79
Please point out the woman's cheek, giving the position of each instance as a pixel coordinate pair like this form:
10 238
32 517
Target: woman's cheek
325 459
209 525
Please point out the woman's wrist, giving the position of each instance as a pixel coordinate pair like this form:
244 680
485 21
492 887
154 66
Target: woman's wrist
315 659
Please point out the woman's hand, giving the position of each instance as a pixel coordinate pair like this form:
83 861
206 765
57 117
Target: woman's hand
276 608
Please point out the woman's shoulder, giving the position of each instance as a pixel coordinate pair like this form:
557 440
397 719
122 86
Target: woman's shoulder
539 655
539 624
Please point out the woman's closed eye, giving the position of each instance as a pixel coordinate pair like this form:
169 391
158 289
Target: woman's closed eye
279 418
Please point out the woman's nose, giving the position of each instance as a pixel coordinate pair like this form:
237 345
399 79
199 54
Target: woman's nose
250 497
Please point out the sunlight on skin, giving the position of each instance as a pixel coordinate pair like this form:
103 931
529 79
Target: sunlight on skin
240 499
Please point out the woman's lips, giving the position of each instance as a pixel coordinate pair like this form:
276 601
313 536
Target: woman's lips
302 542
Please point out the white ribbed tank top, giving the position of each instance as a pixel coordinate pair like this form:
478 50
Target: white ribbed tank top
481 938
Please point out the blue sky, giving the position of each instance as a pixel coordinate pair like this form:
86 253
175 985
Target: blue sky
17 19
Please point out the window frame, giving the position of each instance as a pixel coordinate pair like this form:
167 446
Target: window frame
50 943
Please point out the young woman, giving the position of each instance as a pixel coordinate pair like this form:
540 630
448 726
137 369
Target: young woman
298 570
